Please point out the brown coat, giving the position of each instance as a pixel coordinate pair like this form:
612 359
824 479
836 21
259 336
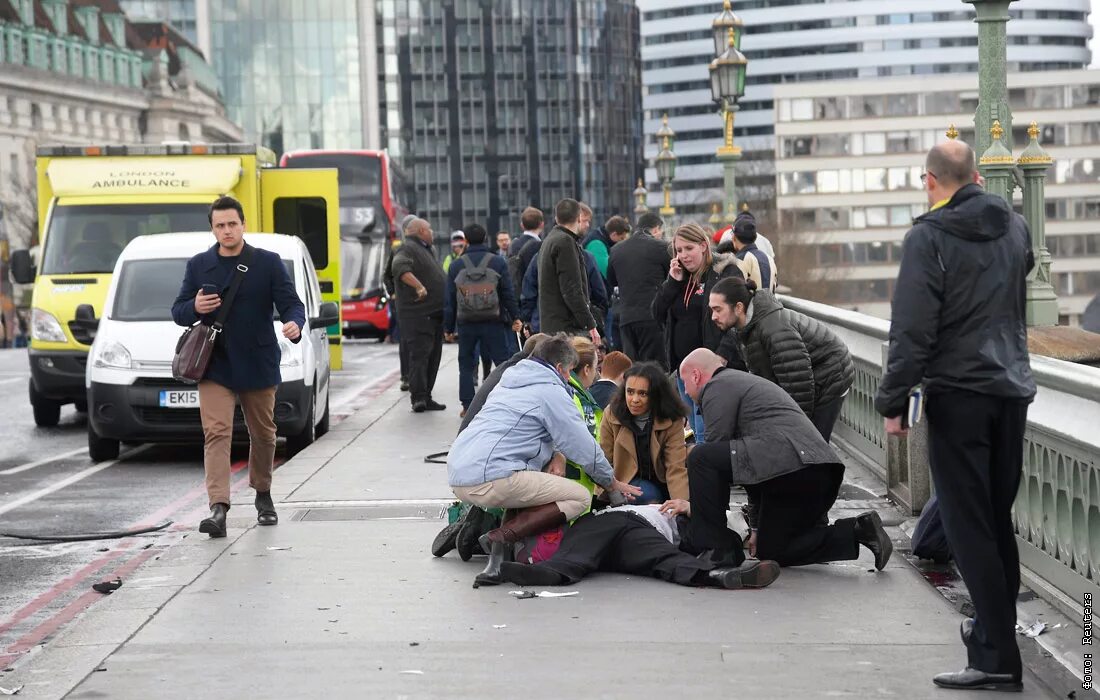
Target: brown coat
666 445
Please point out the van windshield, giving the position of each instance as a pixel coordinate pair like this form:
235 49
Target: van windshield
87 238
146 289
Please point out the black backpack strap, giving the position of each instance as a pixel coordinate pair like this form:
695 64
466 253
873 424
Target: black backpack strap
238 277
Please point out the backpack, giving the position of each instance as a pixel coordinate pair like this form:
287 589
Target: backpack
476 291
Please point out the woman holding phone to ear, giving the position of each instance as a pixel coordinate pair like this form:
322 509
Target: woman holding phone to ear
683 303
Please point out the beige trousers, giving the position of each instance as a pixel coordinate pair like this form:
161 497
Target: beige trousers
216 404
528 488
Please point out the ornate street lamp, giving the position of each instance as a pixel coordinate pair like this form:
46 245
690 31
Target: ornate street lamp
721 27
727 86
666 164
640 193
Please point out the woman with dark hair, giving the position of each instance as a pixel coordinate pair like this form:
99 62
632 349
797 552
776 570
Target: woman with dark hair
682 304
642 435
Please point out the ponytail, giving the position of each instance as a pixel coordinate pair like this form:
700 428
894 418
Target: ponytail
736 290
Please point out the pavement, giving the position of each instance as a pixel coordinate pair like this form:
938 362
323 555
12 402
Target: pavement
343 600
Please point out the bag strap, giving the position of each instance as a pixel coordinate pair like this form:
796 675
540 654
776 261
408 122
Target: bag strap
484 263
238 277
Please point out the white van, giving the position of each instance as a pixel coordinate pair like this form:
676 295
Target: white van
132 396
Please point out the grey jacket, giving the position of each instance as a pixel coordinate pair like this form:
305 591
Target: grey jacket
768 434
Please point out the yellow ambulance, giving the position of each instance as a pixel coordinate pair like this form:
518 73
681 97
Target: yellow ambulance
93 200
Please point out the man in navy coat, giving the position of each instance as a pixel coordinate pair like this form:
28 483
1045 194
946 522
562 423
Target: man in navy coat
245 362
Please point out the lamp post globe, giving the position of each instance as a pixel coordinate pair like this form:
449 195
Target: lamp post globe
722 25
727 74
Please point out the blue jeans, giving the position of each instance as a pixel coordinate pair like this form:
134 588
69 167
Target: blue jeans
695 418
473 339
652 491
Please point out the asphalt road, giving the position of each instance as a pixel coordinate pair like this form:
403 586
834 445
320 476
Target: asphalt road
49 486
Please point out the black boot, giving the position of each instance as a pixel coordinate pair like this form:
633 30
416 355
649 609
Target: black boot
529 574
490 575
473 527
445 540
265 509
498 542
754 574
870 534
215 524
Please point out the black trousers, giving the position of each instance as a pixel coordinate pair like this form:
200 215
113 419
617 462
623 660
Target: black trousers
423 337
788 510
621 542
644 341
826 415
976 450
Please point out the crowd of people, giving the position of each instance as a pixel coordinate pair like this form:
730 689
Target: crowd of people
658 368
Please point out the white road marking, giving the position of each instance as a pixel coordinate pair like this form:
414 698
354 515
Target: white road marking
69 481
31 465
12 380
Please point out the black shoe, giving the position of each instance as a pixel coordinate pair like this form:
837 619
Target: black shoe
419 406
215 524
529 574
754 574
473 527
966 630
433 405
870 534
973 679
265 509
404 384
445 541
490 575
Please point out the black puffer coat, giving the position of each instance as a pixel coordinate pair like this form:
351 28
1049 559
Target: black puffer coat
796 352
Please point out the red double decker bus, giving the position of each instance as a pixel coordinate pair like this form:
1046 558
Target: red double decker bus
372 204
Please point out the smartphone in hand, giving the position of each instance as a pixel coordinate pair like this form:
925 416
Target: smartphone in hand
209 289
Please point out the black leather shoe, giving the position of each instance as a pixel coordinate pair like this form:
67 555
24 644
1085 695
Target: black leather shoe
265 509
445 541
404 385
973 679
473 527
419 406
215 524
870 534
753 574
966 629
433 405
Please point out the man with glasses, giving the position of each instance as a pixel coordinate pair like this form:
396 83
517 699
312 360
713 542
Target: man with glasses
958 330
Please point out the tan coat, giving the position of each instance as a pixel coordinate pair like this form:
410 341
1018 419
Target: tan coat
666 445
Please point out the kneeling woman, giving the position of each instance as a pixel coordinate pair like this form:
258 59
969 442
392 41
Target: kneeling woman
643 435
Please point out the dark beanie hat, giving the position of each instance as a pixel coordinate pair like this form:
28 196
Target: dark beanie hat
744 226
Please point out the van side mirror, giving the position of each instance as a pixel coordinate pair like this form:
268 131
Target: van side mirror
84 324
22 267
330 314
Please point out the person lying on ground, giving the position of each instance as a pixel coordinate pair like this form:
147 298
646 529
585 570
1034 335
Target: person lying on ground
638 540
611 377
643 435
498 461
759 438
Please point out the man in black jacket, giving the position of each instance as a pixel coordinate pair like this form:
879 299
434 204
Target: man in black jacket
638 267
563 281
958 327
759 438
421 287
526 247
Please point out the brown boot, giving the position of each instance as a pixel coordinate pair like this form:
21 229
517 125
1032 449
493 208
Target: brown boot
529 521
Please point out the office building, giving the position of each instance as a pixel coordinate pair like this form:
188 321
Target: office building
800 41
849 155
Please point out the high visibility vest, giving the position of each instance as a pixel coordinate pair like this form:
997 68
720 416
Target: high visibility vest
592 414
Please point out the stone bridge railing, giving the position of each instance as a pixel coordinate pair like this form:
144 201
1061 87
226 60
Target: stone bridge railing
1057 509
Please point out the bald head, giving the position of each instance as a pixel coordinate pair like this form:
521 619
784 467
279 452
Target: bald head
697 369
419 228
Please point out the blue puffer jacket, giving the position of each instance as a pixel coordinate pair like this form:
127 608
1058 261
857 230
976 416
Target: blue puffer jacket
528 416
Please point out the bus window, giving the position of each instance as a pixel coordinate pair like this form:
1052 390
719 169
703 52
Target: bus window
306 218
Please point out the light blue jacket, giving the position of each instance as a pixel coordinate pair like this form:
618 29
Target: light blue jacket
528 416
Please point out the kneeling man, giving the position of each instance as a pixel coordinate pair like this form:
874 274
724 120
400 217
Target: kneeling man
759 438
529 423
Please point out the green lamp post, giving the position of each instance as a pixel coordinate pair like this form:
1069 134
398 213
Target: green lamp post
666 165
727 86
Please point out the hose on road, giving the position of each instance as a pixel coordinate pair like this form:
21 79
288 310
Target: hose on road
88 537
437 458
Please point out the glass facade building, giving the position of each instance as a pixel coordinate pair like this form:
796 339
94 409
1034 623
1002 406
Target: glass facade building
290 70
182 14
495 105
